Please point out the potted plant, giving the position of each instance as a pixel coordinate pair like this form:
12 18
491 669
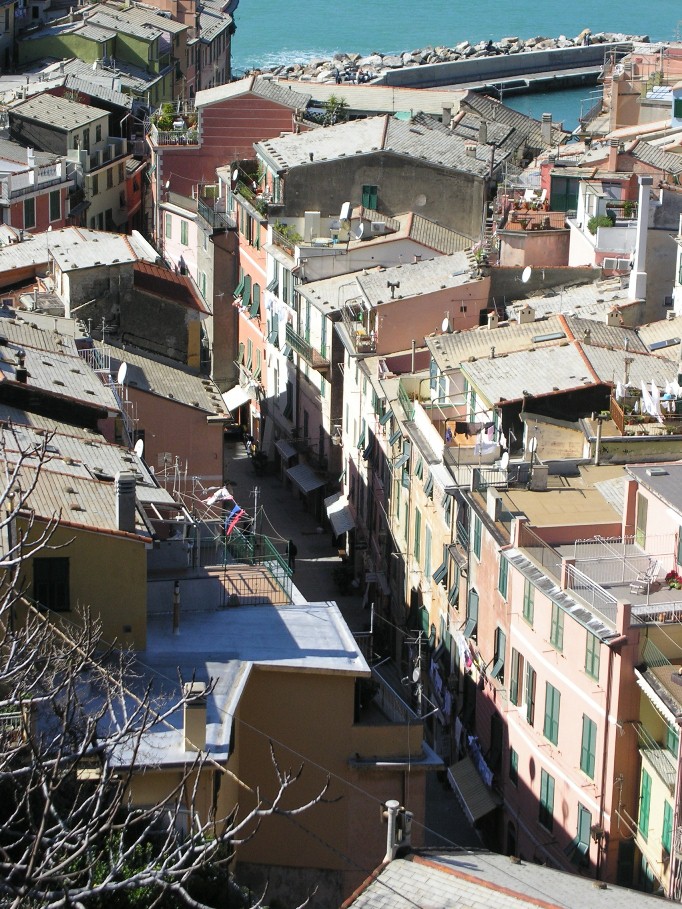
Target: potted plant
673 580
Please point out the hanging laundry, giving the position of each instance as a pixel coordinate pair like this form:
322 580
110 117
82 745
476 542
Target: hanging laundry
473 429
619 392
448 436
461 429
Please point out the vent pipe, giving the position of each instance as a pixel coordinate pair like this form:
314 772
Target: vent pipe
124 490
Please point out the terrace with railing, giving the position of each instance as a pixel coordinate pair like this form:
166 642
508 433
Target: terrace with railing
630 420
363 341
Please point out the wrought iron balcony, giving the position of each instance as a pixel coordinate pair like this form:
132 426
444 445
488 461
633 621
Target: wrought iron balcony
306 350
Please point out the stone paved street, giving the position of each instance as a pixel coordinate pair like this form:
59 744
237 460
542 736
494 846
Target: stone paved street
285 517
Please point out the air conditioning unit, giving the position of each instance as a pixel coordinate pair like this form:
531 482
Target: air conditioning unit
378 227
610 264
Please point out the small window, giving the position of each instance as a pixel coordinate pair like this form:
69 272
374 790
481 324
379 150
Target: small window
55 205
51 583
498 659
556 635
503 576
552 707
531 678
528 602
95 184
110 177
592 655
546 815
477 536
184 233
29 213
98 133
588 747
513 767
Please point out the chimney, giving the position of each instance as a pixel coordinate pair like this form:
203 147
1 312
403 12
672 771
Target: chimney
526 314
613 317
470 149
482 133
194 716
637 287
447 114
612 165
20 371
124 490
493 319
493 503
546 129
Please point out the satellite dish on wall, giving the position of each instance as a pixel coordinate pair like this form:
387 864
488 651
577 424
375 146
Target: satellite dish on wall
533 445
526 273
122 373
445 326
139 448
415 675
504 461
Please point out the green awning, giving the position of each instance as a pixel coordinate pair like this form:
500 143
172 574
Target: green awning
386 417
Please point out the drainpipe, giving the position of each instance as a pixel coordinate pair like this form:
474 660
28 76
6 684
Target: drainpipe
597 444
637 286
392 806
614 647
414 352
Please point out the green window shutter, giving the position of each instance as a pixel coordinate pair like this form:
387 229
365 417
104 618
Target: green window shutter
644 805
240 355
677 108
556 635
672 740
184 238
667 832
552 706
502 577
419 469
453 592
416 549
427 550
513 767
249 355
514 678
239 289
679 535
498 660
477 536
528 602
579 849
546 815
588 746
370 196
273 285
592 644
440 573
428 486
383 420
255 301
531 679
471 625
394 438
246 294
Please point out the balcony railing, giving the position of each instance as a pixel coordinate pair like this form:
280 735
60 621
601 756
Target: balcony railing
391 704
363 341
12 188
405 400
630 423
306 350
188 136
213 212
288 246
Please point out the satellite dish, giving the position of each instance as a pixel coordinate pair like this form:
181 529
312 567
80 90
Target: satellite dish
122 373
139 448
445 326
415 675
167 184
235 175
533 445
504 461
526 273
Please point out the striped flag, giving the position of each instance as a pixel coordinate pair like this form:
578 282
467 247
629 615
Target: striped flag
232 518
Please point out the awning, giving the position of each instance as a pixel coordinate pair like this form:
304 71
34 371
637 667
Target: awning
286 449
235 397
379 578
339 513
305 478
457 555
476 800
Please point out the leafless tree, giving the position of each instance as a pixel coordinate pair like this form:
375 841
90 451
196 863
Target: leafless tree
70 834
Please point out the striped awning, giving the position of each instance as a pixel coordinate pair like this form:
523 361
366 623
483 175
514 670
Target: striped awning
305 478
476 800
339 513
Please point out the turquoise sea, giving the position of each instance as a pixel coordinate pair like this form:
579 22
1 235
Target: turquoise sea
270 32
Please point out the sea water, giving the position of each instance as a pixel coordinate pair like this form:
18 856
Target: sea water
274 32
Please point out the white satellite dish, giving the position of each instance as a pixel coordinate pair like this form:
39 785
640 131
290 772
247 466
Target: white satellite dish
445 326
139 448
415 675
235 175
533 445
122 373
526 273
504 461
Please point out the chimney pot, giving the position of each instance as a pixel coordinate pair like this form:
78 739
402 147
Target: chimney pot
124 490
194 715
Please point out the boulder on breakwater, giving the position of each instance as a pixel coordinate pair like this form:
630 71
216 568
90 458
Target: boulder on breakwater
353 67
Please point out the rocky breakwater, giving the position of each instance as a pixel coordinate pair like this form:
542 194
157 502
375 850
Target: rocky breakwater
351 67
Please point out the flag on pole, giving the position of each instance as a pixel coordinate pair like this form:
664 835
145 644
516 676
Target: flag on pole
232 518
220 495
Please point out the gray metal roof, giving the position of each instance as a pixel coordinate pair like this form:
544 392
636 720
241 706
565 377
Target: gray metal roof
59 113
135 20
468 126
435 236
591 299
365 137
667 486
76 248
212 22
462 879
15 153
24 333
610 366
603 335
534 372
264 88
133 78
96 90
493 111
663 330
649 154
168 381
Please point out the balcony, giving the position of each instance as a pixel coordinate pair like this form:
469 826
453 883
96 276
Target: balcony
630 421
183 136
13 186
313 357
363 341
214 213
